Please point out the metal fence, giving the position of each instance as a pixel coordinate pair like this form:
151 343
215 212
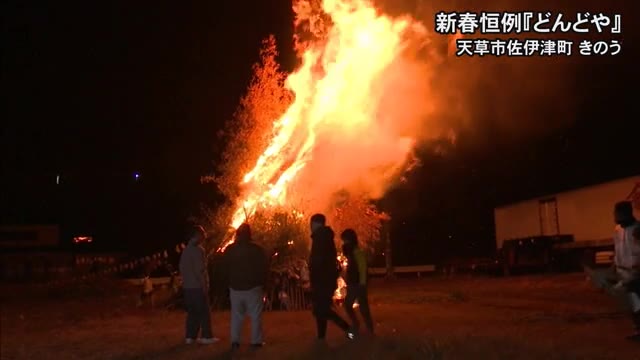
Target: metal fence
282 295
287 296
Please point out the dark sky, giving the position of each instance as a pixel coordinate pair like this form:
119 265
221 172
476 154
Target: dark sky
98 91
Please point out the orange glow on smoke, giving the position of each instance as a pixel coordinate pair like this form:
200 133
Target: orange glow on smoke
350 126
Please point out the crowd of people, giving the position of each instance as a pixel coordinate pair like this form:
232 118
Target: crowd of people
245 266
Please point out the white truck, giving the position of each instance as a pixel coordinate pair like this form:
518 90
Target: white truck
564 228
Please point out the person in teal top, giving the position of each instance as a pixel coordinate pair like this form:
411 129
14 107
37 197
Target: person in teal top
356 279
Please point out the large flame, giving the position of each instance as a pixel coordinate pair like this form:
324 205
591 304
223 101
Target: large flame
348 125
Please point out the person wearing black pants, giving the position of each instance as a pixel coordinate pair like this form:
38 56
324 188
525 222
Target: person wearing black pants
323 312
323 274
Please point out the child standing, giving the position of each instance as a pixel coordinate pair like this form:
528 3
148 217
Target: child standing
356 279
147 291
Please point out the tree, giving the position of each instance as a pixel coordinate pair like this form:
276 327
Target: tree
358 213
247 133
215 223
280 230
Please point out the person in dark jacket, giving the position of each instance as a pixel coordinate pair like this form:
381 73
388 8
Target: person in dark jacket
246 266
323 274
356 279
195 284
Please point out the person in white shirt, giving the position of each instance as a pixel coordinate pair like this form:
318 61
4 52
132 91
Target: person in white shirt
627 259
147 291
622 280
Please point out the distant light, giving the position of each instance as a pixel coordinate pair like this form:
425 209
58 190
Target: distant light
136 175
57 179
82 239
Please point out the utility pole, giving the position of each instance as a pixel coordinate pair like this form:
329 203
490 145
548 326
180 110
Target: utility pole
386 236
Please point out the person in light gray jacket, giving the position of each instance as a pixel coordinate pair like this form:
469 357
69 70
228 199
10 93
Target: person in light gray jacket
195 284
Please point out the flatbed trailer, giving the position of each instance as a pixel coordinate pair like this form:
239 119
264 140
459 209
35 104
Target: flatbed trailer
562 230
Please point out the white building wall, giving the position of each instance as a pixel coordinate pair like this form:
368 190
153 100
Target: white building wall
585 213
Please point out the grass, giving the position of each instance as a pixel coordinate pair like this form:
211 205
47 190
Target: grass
549 317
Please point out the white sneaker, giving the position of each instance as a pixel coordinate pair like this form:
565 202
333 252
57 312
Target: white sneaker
208 341
189 341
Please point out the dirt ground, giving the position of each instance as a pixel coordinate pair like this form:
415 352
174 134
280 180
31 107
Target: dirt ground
537 317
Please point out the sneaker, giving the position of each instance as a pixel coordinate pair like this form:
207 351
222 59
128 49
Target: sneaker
189 341
208 341
257 346
351 335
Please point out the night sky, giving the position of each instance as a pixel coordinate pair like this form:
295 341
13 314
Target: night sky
96 92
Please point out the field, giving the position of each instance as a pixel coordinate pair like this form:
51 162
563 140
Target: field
537 317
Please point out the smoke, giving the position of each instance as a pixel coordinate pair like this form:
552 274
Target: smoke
429 93
490 98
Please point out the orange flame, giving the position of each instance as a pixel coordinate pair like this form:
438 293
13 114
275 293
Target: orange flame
348 125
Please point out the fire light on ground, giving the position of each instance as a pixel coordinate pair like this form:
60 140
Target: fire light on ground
348 127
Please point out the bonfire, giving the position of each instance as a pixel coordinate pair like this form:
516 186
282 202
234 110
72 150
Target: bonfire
351 125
